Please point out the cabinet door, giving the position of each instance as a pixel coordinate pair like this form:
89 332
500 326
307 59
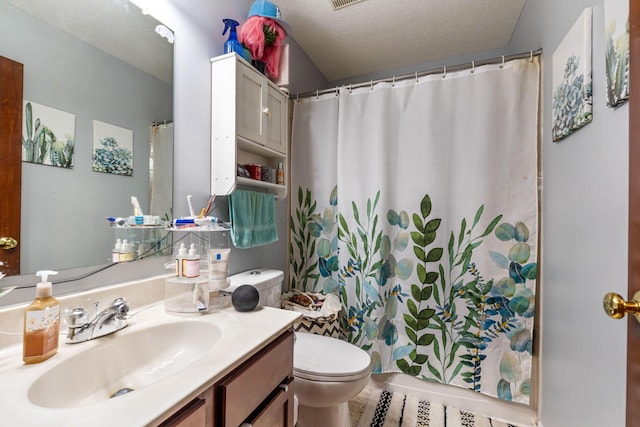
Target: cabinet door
276 121
250 94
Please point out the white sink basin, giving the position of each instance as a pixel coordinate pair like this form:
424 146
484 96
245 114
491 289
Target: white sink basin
125 361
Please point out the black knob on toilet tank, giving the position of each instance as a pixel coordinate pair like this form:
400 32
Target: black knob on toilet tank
245 298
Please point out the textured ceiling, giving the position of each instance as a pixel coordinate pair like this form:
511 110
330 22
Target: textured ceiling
116 27
375 35
365 37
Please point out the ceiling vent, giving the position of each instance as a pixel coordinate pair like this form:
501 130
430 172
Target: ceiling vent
338 4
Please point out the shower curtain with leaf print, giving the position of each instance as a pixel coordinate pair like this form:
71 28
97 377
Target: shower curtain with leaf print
417 203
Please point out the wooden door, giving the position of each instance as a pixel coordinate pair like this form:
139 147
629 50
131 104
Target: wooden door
11 78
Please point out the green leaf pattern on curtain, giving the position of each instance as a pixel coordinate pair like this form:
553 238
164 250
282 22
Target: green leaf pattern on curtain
451 315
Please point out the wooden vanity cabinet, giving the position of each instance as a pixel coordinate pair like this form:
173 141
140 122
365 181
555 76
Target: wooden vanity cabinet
259 393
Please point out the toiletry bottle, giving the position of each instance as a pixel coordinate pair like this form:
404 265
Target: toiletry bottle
280 175
126 251
41 323
232 44
219 260
182 252
115 253
191 263
130 251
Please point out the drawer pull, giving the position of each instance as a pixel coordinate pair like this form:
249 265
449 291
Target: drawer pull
246 425
285 387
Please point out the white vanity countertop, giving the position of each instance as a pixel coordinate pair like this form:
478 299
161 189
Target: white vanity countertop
242 335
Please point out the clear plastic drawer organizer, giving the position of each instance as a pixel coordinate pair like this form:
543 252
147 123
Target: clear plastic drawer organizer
199 268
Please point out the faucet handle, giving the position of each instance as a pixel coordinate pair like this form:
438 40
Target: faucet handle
121 307
76 317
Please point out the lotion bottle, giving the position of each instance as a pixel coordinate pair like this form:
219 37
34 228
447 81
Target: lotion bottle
115 253
191 263
182 253
41 323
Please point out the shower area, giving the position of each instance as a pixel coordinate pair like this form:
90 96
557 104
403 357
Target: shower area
416 201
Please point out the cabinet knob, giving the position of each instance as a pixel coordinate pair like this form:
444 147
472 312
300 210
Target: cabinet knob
266 111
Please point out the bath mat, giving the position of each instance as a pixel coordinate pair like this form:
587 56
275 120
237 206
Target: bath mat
382 408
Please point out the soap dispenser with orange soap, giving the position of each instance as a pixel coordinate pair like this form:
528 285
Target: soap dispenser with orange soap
41 323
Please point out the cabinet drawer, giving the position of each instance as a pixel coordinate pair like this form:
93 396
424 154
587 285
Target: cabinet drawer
197 413
277 411
245 390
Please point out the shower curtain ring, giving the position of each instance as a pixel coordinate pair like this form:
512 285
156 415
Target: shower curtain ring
349 87
531 56
473 66
502 65
444 72
371 85
393 81
417 81
317 94
337 91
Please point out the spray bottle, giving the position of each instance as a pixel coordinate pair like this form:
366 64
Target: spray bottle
232 44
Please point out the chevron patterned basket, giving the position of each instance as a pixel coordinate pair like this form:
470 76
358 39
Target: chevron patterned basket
314 320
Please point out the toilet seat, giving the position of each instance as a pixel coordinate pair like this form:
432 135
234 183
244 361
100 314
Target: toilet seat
320 358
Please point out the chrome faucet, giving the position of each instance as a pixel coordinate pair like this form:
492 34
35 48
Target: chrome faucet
105 322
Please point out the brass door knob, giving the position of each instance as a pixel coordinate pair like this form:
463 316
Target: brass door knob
616 307
8 243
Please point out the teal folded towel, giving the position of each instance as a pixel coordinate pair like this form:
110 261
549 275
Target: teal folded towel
253 218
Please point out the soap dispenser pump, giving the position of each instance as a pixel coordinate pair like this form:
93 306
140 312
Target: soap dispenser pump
232 44
41 323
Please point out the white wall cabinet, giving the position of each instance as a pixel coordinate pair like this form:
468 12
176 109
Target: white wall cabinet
249 125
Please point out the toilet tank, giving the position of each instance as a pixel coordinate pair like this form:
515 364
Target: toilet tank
267 282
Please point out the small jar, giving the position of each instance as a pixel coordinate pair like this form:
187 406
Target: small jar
268 174
255 171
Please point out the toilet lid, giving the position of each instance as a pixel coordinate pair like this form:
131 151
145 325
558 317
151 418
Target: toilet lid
316 357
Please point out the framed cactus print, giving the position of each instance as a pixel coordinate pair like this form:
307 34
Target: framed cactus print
112 149
572 102
47 135
616 28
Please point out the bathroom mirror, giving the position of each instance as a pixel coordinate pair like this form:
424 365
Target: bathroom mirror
96 68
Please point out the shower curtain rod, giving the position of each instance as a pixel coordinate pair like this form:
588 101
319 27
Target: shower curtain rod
164 122
418 74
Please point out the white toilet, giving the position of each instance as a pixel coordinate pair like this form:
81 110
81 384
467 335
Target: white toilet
328 372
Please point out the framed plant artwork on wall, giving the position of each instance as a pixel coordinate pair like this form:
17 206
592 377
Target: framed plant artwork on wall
112 149
572 102
616 23
47 135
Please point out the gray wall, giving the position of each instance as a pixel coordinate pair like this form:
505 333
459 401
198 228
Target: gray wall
63 210
585 187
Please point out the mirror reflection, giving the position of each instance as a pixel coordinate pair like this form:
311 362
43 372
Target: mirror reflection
106 69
